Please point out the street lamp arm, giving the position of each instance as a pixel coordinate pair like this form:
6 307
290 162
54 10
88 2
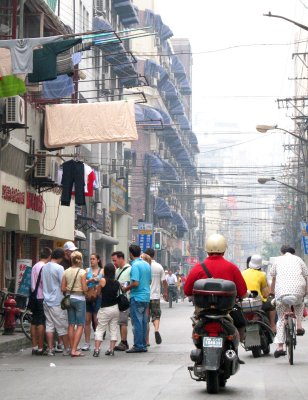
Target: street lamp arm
265 128
292 187
287 19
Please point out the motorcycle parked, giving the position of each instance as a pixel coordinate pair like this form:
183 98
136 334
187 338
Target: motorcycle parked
259 334
214 335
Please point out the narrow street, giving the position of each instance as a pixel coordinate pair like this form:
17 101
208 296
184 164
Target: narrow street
159 374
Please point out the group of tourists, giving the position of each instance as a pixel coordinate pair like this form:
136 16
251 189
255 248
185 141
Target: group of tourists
93 294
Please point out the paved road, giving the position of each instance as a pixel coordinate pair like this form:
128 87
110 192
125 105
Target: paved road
159 374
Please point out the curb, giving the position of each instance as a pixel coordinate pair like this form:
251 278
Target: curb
13 344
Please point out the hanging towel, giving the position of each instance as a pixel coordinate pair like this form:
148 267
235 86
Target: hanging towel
72 124
63 86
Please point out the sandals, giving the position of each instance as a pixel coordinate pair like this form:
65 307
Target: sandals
300 332
279 353
96 353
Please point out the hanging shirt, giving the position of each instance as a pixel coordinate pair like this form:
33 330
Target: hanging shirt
10 85
45 60
22 52
91 178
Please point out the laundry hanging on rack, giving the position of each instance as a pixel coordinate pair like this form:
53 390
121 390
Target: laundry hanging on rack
73 124
73 173
45 60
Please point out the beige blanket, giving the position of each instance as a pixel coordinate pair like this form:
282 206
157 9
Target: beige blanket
73 124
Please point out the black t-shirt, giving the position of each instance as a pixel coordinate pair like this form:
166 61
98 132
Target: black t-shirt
110 293
66 263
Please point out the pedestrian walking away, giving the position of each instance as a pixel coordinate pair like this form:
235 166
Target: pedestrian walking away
74 282
123 277
140 280
108 314
93 301
56 318
158 279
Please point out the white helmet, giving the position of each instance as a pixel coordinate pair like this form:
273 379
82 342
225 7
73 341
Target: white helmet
215 243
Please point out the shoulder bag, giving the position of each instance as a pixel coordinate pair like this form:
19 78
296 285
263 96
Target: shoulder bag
33 294
123 302
91 293
66 301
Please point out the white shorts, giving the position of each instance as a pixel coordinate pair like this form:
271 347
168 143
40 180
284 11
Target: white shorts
56 320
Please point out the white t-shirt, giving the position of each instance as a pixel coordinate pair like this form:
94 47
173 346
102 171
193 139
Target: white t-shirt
158 275
171 279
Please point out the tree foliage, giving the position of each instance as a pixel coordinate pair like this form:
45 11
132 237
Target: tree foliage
270 249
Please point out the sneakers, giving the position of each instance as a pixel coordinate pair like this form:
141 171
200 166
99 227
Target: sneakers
121 346
66 352
86 347
135 350
59 348
157 338
49 352
96 353
109 353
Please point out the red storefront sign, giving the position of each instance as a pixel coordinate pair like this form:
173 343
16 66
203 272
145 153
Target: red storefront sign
33 201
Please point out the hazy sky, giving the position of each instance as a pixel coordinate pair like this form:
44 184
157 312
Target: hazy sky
237 86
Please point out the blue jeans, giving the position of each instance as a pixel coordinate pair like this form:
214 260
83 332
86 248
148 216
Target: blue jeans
77 312
139 311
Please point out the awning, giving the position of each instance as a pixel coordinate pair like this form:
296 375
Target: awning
154 162
161 208
101 237
126 11
179 221
183 121
115 54
169 172
149 18
148 117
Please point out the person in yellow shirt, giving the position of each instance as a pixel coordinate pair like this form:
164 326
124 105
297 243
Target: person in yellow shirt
256 280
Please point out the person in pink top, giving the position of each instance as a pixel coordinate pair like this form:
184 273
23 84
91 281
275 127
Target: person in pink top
38 316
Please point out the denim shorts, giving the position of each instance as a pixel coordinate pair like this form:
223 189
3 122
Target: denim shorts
77 312
94 306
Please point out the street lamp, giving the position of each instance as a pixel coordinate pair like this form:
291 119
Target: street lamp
264 180
266 128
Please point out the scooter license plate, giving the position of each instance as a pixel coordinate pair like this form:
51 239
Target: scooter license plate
212 342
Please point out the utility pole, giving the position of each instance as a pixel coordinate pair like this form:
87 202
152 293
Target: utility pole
147 190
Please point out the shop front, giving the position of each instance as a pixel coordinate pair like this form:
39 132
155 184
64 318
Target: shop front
28 221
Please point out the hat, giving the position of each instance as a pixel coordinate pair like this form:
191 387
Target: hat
255 262
69 246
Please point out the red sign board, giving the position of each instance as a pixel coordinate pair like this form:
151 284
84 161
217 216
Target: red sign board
33 201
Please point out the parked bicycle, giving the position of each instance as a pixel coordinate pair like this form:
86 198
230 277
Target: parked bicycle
23 318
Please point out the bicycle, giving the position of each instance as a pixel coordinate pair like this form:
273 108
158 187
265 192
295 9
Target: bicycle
24 316
289 319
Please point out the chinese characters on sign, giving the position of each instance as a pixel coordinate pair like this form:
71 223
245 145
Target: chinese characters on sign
33 201
145 235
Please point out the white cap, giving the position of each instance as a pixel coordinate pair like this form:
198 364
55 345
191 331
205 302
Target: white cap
255 262
69 246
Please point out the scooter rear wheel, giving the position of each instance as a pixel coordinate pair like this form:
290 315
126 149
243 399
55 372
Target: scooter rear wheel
212 382
256 352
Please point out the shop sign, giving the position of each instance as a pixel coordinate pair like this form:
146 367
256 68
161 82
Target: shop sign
117 197
33 201
23 276
145 235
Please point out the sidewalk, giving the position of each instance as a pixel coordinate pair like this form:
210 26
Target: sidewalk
13 343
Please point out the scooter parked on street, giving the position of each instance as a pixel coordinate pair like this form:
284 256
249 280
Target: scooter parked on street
259 334
214 335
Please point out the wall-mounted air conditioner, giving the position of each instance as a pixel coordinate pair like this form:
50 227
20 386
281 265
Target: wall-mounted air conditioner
121 173
105 181
15 110
43 166
113 168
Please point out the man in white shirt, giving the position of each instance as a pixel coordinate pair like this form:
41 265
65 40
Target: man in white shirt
158 279
172 282
123 276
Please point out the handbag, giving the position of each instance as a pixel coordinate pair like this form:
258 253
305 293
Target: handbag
32 301
91 294
66 301
123 302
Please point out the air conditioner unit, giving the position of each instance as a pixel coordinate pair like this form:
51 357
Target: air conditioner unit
55 166
121 173
15 110
105 181
43 166
97 196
